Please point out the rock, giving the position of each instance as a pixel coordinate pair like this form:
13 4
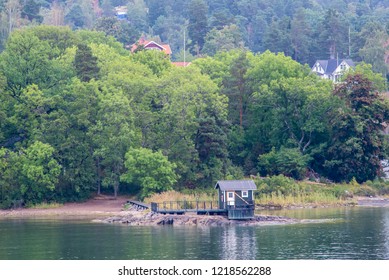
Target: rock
150 218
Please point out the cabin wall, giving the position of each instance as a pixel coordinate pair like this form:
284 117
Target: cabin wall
221 196
239 197
238 202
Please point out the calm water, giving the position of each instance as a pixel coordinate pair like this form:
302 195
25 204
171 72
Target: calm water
356 233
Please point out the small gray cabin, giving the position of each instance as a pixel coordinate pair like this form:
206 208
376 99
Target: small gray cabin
237 198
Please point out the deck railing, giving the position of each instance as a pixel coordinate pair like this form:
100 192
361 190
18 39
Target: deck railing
184 205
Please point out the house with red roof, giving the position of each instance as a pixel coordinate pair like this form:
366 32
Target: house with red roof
151 45
181 63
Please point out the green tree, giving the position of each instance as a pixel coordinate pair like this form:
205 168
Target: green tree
236 88
225 39
150 170
31 11
39 172
356 146
67 127
29 113
374 52
289 162
85 63
288 105
113 134
171 28
157 61
187 112
334 30
26 61
211 145
277 37
75 17
300 39
378 81
122 30
59 38
138 11
98 37
9 176
198 24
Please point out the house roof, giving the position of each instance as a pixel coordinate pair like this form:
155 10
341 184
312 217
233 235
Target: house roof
181 64
330 65
152 45
239 185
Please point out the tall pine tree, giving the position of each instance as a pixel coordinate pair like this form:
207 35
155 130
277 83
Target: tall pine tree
198 24
85 63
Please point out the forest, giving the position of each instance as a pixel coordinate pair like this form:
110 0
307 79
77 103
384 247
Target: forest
306 30
80 114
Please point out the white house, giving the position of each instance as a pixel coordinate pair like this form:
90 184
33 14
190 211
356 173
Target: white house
332 69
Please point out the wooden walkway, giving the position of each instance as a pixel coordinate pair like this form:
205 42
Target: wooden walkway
182 207
139 205
198 207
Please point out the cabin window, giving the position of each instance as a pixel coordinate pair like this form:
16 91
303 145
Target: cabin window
230 195
245 194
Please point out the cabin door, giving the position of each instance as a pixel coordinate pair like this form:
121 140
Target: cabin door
231 198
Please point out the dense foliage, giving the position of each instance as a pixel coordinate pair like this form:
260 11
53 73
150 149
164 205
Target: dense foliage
79 115
306 30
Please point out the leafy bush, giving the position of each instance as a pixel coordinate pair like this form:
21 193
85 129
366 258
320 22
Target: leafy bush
277 184
287 161
380 185
150 170
365 190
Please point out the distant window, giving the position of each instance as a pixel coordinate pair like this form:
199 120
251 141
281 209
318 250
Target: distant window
245 194
342 67
337 78
230 195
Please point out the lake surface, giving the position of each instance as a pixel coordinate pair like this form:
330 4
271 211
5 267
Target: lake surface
342 233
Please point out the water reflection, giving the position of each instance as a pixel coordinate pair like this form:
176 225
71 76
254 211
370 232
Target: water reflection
353 233
385 221
238 243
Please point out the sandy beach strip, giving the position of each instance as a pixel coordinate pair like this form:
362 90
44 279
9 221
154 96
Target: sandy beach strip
97 207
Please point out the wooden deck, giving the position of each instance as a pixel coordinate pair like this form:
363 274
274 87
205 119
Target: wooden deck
182 207
198 207
139 205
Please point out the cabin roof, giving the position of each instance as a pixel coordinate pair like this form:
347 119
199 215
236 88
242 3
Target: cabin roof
236 185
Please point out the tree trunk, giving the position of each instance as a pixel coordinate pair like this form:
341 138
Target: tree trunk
241 111
98 176
115 189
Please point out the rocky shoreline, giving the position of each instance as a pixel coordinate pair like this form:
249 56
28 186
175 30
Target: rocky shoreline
137 217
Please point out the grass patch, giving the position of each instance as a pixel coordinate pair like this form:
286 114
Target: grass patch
279 200
179 196
283 192
45 205
177 200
